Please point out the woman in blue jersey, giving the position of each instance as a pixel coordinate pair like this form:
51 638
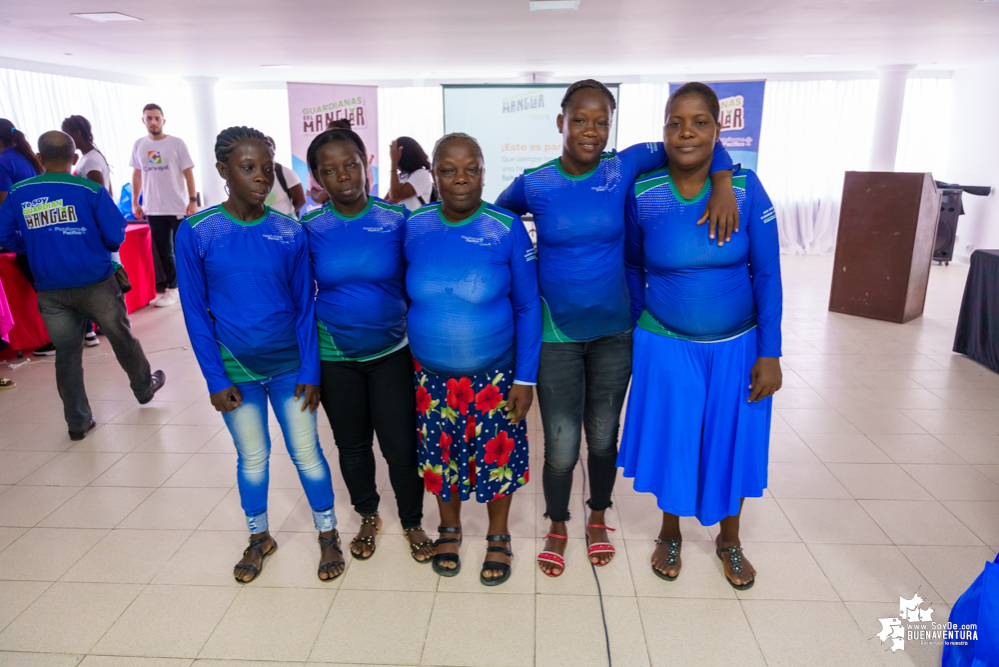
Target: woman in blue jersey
356 244
707 344
247 288
475 330
578 206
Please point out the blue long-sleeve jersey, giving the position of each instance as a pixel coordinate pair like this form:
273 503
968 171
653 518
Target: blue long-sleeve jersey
473 287
683 285
68 226
359 268
580 225
247 292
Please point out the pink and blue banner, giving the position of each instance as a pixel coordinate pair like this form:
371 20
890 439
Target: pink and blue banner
312 106
741 118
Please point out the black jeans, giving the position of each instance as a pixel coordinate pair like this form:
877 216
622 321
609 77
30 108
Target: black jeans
163 229
66 312
582 385
362 398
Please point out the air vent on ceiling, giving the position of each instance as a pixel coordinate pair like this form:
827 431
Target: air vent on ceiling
107 17
545 5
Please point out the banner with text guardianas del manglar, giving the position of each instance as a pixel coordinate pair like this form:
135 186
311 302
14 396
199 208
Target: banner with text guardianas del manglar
312 106
741 118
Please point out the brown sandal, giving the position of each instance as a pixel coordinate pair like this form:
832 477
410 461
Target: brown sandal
335 542
414 547
250 567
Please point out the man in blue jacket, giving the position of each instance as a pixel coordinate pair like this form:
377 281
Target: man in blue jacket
69 226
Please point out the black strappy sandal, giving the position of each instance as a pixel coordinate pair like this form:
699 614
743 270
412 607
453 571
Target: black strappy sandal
447 558
368 541
414 547
250 567
734 554
335 542
496 565
671 559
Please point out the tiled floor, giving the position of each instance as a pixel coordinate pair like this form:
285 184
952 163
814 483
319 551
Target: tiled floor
884 480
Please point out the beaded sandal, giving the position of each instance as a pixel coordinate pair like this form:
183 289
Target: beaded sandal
447 558
495 564
671 559
250 567
326 543
414 547
600 547
368 540
735 556
552 557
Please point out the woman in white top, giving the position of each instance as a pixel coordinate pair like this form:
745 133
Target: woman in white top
412 184
92 166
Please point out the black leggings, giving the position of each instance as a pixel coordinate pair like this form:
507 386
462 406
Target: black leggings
362 398
163 229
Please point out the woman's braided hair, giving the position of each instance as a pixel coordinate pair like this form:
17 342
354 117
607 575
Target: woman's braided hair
592 84
230 137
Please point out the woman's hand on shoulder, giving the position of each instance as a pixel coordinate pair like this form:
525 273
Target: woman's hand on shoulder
311 393
722 211
765 378
518 402
227 400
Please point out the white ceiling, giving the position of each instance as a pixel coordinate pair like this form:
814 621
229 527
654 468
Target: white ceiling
381 40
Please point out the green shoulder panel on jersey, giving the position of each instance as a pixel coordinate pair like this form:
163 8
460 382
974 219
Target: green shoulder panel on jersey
193 220
428 208
652 179
546 165
500 215
312 215
739 181
65 179
285 215
395 208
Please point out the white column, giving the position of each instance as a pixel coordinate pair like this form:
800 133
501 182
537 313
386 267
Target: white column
206 127
888 116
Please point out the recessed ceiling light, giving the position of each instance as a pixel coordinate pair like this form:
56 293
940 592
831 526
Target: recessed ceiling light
543 5
540 62
819 55
107 17
277 66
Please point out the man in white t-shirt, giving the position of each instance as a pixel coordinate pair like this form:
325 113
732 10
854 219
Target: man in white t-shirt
163 173
287 196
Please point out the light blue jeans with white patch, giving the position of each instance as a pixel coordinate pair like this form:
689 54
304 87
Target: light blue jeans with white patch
248 426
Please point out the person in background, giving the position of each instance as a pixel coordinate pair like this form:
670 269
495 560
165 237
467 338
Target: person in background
17 163
93 166
475 330
707 341
163 173
288 195
356 244
578 206
412 184
69 226
247 292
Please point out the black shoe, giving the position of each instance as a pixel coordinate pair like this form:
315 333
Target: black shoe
80 435
46 350
158 380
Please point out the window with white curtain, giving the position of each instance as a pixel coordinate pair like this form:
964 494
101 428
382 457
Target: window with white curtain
924 137
37 102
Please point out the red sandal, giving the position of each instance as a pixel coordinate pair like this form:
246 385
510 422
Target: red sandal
552 557
600 547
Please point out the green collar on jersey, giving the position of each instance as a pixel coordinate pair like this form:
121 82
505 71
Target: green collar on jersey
581 177
246 223
478 212
364 211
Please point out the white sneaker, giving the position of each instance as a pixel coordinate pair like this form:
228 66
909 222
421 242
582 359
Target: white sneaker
91 339
170 298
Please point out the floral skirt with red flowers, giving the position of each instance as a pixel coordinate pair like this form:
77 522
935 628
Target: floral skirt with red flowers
467 444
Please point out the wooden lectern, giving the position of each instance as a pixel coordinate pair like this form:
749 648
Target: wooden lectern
887 228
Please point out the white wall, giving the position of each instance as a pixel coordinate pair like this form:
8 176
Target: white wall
974 157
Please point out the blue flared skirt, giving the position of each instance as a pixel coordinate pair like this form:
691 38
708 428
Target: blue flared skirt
691 437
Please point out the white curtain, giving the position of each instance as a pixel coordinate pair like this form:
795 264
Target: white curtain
416 112
924 137
37 102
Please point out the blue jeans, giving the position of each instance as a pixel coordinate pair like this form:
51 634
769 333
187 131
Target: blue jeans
248 426
582 385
